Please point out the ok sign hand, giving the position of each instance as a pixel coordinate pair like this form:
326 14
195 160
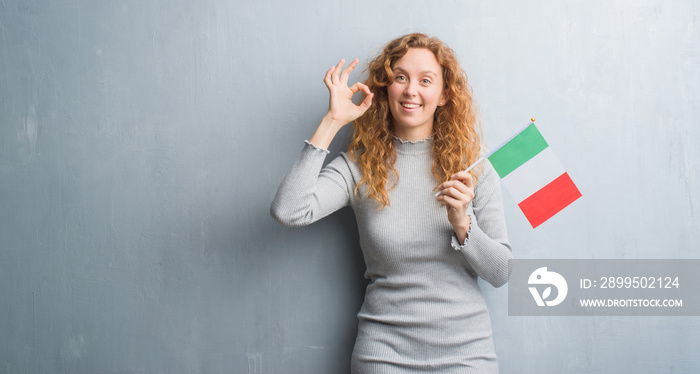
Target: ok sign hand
341 109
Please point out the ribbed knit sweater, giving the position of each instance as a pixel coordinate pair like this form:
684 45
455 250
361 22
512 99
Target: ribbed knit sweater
423 310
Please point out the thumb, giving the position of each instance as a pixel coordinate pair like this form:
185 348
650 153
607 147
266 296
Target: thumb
367 102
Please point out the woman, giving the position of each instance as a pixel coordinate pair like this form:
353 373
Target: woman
414 134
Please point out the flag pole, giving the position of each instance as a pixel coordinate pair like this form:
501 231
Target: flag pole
482 158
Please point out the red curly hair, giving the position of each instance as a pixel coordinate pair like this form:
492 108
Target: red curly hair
456 135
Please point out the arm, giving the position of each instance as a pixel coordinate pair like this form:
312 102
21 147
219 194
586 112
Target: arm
485 245
308 193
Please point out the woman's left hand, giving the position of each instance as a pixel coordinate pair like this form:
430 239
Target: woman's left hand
456 194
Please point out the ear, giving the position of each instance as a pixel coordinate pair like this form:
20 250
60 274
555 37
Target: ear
445 97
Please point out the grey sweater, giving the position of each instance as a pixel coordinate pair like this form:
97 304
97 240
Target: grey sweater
423 310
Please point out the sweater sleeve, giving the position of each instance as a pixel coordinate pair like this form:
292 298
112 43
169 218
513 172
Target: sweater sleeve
308 193
487 248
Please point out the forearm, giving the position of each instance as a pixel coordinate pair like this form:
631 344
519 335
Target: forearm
462 231
325 132
487 248
489 257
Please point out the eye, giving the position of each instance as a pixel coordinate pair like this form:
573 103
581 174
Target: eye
400 78
425 81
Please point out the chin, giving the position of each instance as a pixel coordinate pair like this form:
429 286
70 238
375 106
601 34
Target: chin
410 124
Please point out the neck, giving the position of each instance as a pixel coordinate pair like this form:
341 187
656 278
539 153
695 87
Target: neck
414 134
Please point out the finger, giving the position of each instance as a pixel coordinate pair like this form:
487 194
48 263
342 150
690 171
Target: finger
336 72
454 193
346 73
465 177
367 102
462 175
328 78
454 184
363 87
355 88
465 195
453 204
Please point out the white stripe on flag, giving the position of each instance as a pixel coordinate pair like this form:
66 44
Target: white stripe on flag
531 176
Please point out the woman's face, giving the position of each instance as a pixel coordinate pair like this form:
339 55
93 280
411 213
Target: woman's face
415 94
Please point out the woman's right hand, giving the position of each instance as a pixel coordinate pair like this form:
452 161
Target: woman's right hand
341 109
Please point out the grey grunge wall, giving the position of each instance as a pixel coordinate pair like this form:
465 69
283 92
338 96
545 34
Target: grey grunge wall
141 143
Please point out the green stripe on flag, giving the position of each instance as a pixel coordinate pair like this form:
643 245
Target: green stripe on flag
518 150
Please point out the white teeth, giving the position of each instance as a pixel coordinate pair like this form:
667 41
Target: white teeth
410 106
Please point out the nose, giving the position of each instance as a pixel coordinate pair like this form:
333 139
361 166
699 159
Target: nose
410 89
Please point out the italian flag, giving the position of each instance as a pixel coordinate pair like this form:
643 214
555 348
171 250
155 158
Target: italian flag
533 175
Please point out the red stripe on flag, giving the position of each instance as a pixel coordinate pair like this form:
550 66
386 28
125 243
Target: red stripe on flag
549 200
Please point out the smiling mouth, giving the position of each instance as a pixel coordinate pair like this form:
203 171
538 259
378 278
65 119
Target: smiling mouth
410 105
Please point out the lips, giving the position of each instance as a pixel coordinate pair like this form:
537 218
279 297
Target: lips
410 105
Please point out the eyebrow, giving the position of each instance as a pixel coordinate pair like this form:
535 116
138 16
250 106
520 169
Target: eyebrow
425 72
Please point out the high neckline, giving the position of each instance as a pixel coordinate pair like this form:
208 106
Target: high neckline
413 146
